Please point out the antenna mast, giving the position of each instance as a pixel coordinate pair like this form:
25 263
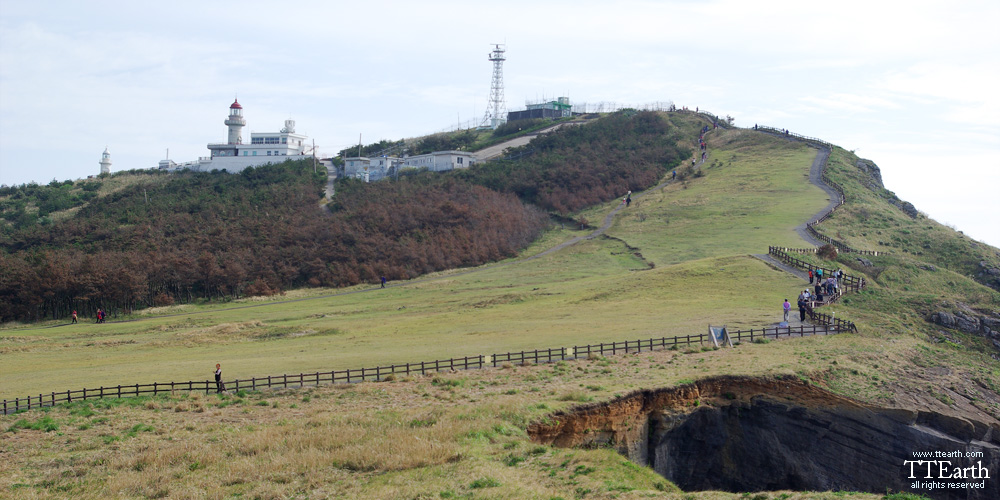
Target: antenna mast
496 112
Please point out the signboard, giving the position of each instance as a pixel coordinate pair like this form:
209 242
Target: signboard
719 336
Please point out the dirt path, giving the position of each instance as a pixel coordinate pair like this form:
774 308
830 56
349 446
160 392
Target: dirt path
498 149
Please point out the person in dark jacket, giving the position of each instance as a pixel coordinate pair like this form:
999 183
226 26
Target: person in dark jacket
219 387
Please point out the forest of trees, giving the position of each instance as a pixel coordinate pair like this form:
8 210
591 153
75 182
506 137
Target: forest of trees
579 166
189 236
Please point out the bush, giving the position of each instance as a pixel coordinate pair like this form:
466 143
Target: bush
828 252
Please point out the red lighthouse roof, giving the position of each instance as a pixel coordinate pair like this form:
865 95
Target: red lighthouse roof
236 105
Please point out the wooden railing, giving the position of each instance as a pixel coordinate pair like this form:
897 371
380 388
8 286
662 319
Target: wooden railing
849 282
811 226
377 373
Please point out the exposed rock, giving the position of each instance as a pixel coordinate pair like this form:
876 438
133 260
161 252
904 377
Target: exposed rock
752 434
908 209
873 172
928 267
905 206
969 321
865 262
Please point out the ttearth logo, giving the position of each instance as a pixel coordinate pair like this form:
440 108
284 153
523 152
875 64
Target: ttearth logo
954 470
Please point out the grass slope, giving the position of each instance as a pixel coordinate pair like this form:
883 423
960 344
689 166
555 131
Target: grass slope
462 435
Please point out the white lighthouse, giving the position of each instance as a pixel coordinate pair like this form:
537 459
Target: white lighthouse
105 162
235 122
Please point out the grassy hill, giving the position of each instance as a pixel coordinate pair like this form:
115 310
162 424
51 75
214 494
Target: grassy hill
678 259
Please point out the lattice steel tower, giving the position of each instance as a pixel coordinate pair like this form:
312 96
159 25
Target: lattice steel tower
496 112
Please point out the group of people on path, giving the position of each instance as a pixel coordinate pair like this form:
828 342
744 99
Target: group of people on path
102 316
822 289
701 143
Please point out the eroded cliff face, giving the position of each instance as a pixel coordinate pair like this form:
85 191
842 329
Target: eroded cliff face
752 434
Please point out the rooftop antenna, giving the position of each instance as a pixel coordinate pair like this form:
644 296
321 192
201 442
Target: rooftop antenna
496 113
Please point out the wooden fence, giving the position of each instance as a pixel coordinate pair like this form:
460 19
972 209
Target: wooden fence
377 373
849 282
811 226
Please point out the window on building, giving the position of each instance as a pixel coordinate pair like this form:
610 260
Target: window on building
460 161
284 140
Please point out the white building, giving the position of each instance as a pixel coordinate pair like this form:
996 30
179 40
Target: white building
440 160
373 169
105 162
234 155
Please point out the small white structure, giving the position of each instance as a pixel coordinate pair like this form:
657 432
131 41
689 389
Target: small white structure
105 161
370 169
234 156
440 160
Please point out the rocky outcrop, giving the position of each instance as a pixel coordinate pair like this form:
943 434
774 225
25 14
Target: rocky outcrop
966 320
869 168
875 184
754 434
988 275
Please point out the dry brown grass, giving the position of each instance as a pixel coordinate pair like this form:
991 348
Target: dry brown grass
441 435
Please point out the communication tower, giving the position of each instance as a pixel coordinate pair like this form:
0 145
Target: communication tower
496 112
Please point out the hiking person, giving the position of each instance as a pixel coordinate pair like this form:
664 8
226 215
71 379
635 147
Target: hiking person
383 281
674 176
219 387
74 317
819 274
802 309
818 291
628 199
786 307
810 276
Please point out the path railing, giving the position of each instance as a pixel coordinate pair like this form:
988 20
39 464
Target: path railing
378 373
811 226
849 282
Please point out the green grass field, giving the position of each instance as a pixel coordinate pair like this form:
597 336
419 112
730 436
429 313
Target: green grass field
595 291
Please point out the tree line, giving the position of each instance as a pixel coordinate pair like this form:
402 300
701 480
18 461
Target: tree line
195 236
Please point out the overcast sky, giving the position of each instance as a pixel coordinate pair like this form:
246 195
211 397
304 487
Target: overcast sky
909 85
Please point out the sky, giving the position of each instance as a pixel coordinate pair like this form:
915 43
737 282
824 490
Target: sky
910 86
